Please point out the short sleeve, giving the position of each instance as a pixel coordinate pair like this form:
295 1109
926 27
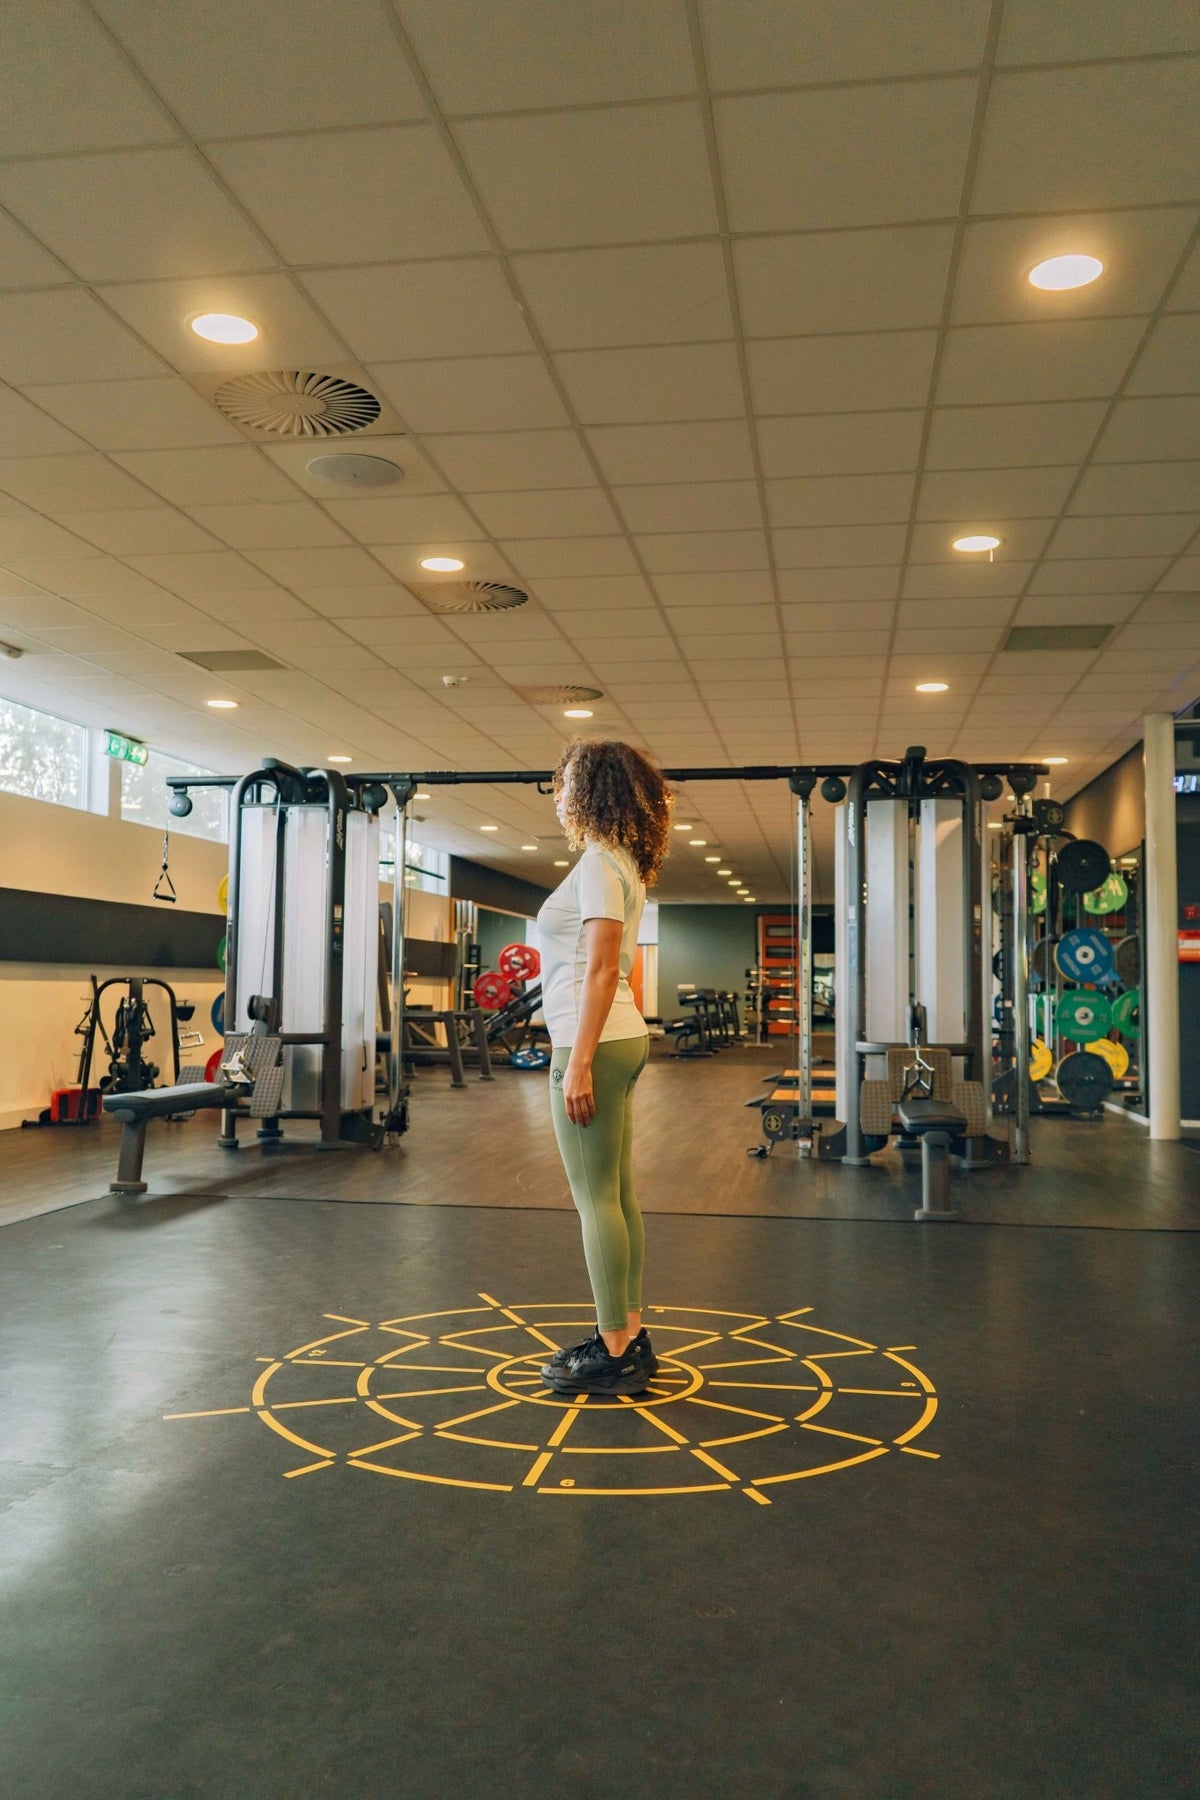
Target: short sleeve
601 890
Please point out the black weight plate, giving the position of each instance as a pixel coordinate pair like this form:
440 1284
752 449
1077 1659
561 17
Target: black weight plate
1129 961
1049 814
998 965
1084 1080
1041 960
1082 865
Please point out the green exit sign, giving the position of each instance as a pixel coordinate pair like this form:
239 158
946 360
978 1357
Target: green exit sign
125 749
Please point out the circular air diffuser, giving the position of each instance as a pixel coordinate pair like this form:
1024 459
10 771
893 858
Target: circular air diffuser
298 403
467 596
354 471
559 695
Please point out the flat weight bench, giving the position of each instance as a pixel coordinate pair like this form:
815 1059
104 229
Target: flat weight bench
936 1123
133 1111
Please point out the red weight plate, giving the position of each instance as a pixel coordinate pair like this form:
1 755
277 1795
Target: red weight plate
520 962
492 992
212 1067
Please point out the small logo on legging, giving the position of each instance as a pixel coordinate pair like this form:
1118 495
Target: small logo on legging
557 1075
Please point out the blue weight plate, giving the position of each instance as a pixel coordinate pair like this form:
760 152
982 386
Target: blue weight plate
218 1015
1085 955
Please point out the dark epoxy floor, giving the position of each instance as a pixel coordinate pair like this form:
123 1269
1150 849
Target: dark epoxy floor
1010 1614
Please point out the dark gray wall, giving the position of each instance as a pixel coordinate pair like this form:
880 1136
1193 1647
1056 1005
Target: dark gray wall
1112 809
63 928
490 887
1187 841
711 946
495 931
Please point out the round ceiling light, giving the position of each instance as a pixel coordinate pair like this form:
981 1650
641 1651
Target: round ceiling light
712 859
562 863
442 565
529 846
334 759
224 328
933 687
222 705
1058 273
1055 762
577 712
976 541
489 828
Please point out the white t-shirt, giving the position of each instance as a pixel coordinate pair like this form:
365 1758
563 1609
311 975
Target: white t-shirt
604 884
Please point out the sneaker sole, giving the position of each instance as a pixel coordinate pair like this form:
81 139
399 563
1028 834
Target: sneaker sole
629 1384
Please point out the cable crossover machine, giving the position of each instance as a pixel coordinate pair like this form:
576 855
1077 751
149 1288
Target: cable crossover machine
309 1004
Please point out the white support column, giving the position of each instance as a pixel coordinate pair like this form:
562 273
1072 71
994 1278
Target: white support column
1161 926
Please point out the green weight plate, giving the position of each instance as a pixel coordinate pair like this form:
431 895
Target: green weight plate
1083 1015
1037 892
222 951
1128 955
1109 897
1127 1014
1084 1080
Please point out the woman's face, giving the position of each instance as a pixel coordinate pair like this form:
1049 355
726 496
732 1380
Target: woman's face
563 797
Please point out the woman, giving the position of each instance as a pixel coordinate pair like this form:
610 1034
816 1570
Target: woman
613 804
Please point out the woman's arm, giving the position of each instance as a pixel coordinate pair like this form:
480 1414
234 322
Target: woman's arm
599 991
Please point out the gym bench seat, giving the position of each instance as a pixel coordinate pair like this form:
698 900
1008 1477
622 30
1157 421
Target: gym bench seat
936 1123
132 1111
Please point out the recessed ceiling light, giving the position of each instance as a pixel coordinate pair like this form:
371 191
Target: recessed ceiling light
562 864
339 759
222 705
224 328
712 859
442 565
749 900
977 541
1060 272
577 712
722 871
685 828
1055 762
994 825
422 796
529 846
933 687
489 828
697 843
736 882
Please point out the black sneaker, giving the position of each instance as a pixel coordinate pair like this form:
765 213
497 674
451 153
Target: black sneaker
639 1346
591 1370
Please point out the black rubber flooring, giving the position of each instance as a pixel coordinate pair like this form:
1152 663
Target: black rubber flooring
990 1598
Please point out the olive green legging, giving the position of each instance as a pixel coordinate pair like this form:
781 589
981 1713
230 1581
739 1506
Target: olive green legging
598 1159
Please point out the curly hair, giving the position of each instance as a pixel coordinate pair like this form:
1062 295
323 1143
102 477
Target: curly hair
617 797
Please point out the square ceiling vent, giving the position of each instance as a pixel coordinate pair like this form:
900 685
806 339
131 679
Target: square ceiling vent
230 662
1056 637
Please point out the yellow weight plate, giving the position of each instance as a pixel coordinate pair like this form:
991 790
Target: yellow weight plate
1040 1060
223 894
1114 1054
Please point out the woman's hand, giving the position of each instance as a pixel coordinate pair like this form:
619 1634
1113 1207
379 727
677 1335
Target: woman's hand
578 1094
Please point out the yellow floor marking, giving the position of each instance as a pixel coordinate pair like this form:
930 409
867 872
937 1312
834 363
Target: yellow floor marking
743 1437
427 1368
463 1437
676 1437
219 1412
712 1462
825 1469
933 1455
470 1387
341 1319
565 1423
492 1487
924 1380
761 1344
483 1413
621 1450
479 1349
844 1336
855 1437
260 1386
899 1393
334 1337
913 1431
449 1312
798 1312
265 1359
394 1418
308 1469
326 1362
817 1406
717 1312
516 1318
289 1405
749 1362
822 1375
826 1355
781 1387
374 1449
277 1425
753 1494
747 1412
535 1473
712 1487
677 1350
892 1348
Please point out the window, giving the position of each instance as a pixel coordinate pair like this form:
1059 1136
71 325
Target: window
145 797
423 867
42 757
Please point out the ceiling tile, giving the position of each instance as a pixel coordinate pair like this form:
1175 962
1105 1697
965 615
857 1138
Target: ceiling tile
417 473
1069 359
485 56
840 444
675 381
637 294
461 307
837 281
705 551
152 414
717 451
469 393
266 527
285 65
318 567
869 615
1161 608
847 156
840 643
143 530
691 506
1036 31
1183 576
292 335
710 621
593 593
845 583
790 42
1019 539
974 580
207 477
483 561
66 336
1147 430
948 639
1138 487
23 261
1105 575
838 546
1139 250
551 512
512 461
743 587
25 430
924 615
840 500
67 87
978 437
56 484
622 175
359 605
1150 534
958 494
836 374
405 520
200 577
354 196
1068 138
1170 363
536 557
132 215
1074 609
